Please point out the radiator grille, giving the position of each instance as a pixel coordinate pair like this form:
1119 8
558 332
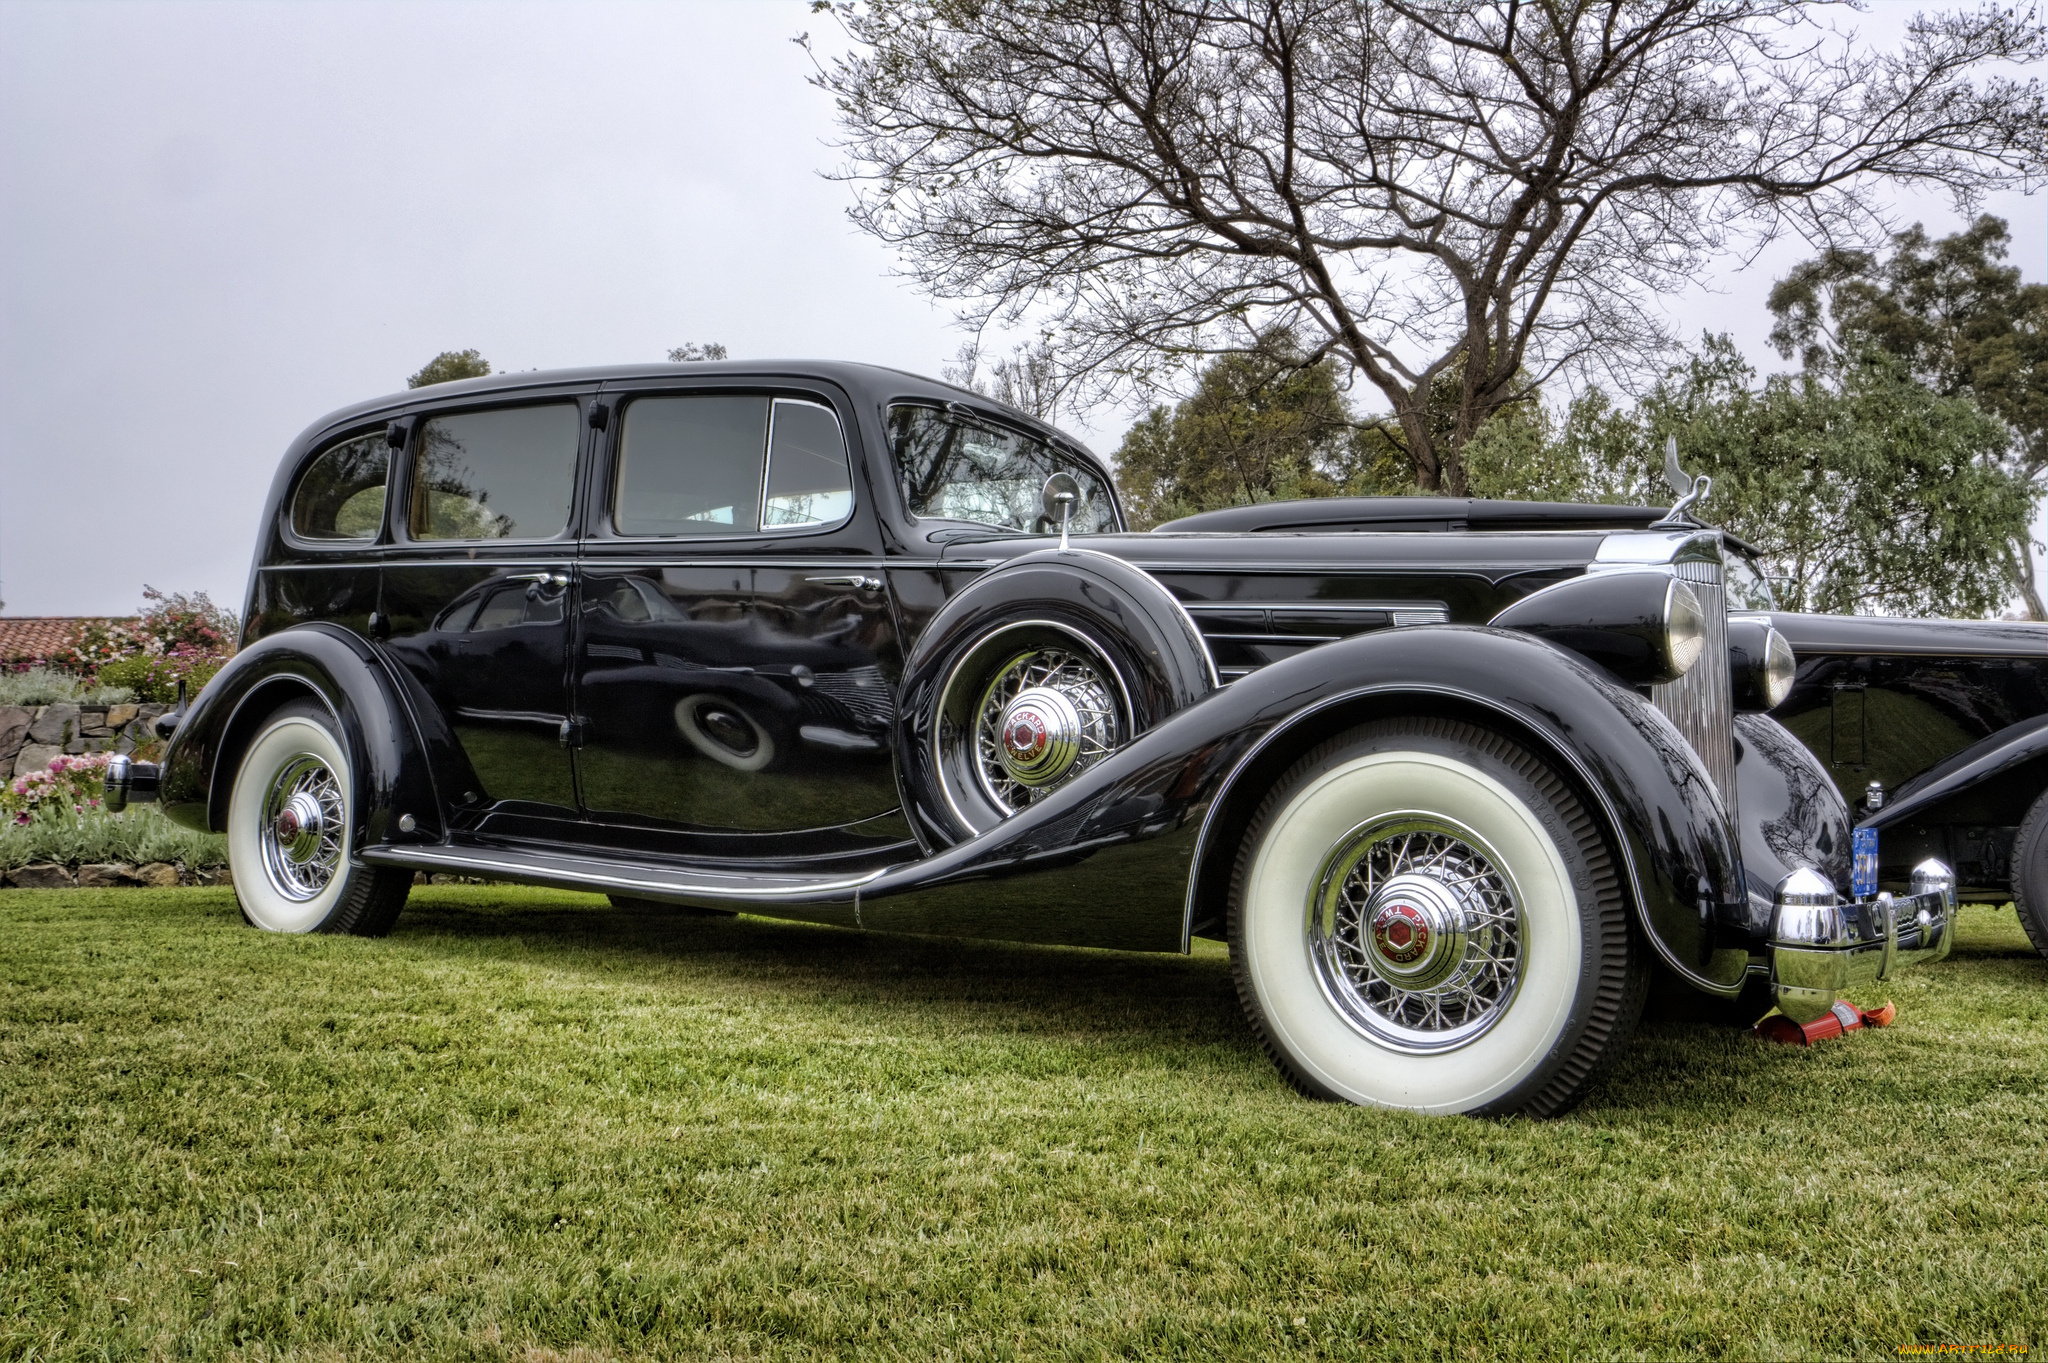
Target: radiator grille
1701 703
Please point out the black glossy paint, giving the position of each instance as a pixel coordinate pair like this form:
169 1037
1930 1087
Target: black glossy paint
1937 712
1319 626
1614 619
1114 845
1127 615
392 766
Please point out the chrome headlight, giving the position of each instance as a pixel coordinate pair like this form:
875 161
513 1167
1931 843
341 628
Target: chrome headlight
1760 664
1685 629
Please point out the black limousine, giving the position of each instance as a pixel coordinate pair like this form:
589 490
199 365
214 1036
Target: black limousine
838 643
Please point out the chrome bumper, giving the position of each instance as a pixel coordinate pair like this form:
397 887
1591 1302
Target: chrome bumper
129 782
1821 947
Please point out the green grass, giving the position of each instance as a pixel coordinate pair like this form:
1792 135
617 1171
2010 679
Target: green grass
139 834
529 1126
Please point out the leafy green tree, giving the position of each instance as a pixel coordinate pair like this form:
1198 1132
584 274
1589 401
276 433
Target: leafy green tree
1864 490
1963 324
1262 425
449 366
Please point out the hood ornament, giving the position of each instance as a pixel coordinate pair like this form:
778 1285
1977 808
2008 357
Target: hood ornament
1689 490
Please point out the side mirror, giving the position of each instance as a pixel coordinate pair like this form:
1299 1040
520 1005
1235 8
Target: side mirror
1060 495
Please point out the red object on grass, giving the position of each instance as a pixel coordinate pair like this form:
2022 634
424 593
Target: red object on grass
1843 1017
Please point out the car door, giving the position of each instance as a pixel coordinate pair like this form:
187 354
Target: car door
738 657
477 599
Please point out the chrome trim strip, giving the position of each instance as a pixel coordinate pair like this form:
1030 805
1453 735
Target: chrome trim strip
1316 607
1303 639
463 858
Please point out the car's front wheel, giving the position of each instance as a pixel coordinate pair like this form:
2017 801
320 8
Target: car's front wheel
291 821
1424 916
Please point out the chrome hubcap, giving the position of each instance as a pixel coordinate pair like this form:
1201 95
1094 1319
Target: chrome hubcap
1415 932
298 826
1041 736
302 829
1046 717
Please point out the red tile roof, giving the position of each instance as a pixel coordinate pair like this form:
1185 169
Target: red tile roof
37 636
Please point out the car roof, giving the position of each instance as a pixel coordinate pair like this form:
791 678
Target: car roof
869 381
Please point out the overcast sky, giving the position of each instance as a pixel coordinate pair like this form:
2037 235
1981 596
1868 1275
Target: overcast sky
223 220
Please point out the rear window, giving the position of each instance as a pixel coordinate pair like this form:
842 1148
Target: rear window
495 475
955 468
341 496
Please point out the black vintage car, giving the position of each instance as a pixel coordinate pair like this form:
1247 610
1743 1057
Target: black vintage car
838 643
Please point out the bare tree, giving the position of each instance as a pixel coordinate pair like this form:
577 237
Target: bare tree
1477 194
692 353
1028 379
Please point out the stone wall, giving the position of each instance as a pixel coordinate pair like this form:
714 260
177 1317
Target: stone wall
31 735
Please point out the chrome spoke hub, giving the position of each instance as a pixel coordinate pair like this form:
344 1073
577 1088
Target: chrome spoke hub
1415 932
1046 717
302 829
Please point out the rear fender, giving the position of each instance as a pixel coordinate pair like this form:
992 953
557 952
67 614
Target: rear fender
340 671
1137 852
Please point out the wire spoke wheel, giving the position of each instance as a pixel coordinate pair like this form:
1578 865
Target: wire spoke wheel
1023 752
1423 915
1024 710
291 824
303 820
1416 933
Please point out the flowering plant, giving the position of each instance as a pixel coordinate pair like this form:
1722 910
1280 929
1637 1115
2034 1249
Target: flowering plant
69 785
154 677
172 625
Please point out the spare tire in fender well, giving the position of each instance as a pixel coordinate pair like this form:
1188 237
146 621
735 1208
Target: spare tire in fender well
1147 636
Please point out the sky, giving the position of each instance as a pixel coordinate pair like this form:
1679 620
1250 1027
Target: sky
219 221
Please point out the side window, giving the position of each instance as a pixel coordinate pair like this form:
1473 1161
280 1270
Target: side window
341 496
808 479
691 466
495 475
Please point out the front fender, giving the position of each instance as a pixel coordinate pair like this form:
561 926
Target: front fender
1136 852
339 670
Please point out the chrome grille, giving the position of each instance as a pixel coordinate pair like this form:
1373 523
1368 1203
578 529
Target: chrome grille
1701 702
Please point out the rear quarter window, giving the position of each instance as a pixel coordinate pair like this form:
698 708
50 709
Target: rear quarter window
341 495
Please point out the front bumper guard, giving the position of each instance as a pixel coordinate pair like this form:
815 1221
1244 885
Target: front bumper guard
1821 947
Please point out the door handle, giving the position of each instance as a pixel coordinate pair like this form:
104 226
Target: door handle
858 580
545 579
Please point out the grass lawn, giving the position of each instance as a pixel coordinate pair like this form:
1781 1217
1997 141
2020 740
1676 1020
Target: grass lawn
530 1126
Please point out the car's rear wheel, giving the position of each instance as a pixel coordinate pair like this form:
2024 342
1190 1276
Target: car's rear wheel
2030 874
1424 916
291 821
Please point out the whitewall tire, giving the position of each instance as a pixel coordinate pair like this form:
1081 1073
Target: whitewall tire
291 822
1424 916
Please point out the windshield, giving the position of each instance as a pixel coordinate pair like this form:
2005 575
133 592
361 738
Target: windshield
1747 588
955 468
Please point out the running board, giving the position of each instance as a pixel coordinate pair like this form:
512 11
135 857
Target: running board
830 896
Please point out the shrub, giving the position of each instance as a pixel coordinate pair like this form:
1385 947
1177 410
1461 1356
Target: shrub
139 835
154 678
171 625
45 686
